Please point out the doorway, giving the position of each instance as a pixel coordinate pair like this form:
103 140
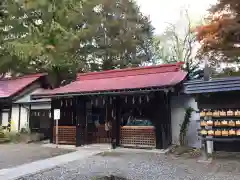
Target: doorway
95 122
39 122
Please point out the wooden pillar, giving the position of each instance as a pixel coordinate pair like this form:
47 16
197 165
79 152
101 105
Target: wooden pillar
165 119
113 109
10 117
80 120
19 118
118 120
168 119
29 113
53 105
158 120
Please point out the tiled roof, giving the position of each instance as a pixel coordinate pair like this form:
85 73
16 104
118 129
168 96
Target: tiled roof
224 84
132 78
9 87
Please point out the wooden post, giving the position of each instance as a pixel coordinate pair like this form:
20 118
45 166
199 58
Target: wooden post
158 119
81 119
52 120
10 118
204 150
169 119
56 115
19 117
118 120
114 124
56 133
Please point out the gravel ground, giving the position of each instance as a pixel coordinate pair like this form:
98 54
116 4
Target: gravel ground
17 154
136 166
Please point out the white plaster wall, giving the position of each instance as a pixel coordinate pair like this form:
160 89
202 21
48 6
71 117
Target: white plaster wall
26 98
14 118
178 108
23 117
5 116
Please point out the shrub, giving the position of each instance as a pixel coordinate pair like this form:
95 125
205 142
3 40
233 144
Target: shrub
13 137
3 137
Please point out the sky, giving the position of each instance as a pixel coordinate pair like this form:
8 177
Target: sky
162 12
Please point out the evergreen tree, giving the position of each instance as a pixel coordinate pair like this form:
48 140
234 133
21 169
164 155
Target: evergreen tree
68 36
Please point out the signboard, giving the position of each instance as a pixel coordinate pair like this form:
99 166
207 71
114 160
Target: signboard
57 114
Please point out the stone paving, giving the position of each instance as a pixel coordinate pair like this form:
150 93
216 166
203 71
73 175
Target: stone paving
139 166
41 165
16 154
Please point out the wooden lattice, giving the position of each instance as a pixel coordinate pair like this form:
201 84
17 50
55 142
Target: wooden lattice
138 136
66 135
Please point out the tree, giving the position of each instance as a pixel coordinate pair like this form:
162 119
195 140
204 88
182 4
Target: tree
44 36
123 34
176 45
68 36
220 36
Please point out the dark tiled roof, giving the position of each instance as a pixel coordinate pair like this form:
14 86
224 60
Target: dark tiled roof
113 80
9 87
213 85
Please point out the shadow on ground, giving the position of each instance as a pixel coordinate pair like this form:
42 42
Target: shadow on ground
109 178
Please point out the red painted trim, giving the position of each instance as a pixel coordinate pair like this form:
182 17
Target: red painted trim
7 81
130 71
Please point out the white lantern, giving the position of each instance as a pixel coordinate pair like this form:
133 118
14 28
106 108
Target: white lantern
103 101
126 100
140 100
96 101
147 98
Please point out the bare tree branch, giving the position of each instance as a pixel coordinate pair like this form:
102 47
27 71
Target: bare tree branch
179 46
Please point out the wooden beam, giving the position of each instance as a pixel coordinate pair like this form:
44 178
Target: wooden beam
97 93
10 118
53 103
19 117
118 120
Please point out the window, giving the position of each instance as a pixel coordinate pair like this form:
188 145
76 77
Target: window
5 116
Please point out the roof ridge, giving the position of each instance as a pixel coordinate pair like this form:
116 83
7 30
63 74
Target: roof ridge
176 65
23 76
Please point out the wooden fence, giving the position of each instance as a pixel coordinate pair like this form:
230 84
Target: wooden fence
138 136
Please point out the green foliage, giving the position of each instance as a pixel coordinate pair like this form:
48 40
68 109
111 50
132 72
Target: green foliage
69 36
3 136
184 126
13 137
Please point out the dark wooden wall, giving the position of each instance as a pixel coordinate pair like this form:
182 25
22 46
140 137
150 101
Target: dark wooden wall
224 100
221 101
162 119
81 120
74 114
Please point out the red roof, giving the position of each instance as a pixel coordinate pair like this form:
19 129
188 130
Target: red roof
132 78
9 87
